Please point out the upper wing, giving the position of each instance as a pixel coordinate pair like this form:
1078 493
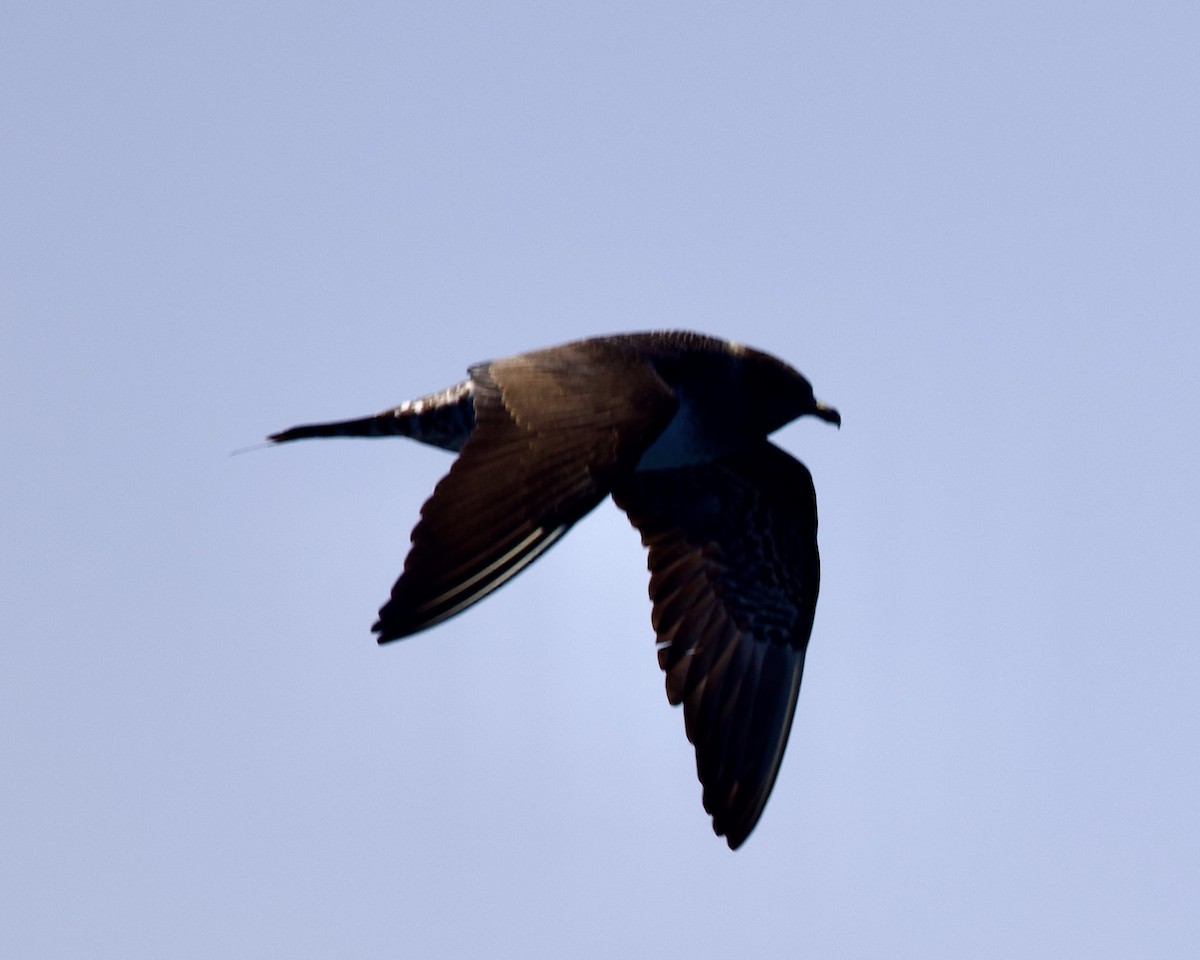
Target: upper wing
553 429
734 577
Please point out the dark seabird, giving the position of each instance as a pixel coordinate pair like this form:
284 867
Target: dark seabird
674 426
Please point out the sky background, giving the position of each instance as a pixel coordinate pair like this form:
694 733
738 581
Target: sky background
974 227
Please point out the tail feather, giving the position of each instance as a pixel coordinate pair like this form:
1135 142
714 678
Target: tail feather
379 425
443 420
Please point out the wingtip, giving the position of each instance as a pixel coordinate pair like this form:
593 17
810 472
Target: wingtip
383 634
735 834
391 627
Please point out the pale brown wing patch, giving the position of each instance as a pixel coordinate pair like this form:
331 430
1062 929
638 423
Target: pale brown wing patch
553 429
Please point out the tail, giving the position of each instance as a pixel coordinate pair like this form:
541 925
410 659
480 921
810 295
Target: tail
379 425
443 420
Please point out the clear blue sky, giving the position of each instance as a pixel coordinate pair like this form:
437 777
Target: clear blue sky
974 227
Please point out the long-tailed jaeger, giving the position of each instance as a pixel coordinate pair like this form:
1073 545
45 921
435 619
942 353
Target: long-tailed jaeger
674 425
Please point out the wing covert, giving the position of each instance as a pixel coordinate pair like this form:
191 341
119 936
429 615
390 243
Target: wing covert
552 430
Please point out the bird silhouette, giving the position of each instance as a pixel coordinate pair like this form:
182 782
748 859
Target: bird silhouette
674 426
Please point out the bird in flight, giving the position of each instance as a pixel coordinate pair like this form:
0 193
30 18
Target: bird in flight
674 426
